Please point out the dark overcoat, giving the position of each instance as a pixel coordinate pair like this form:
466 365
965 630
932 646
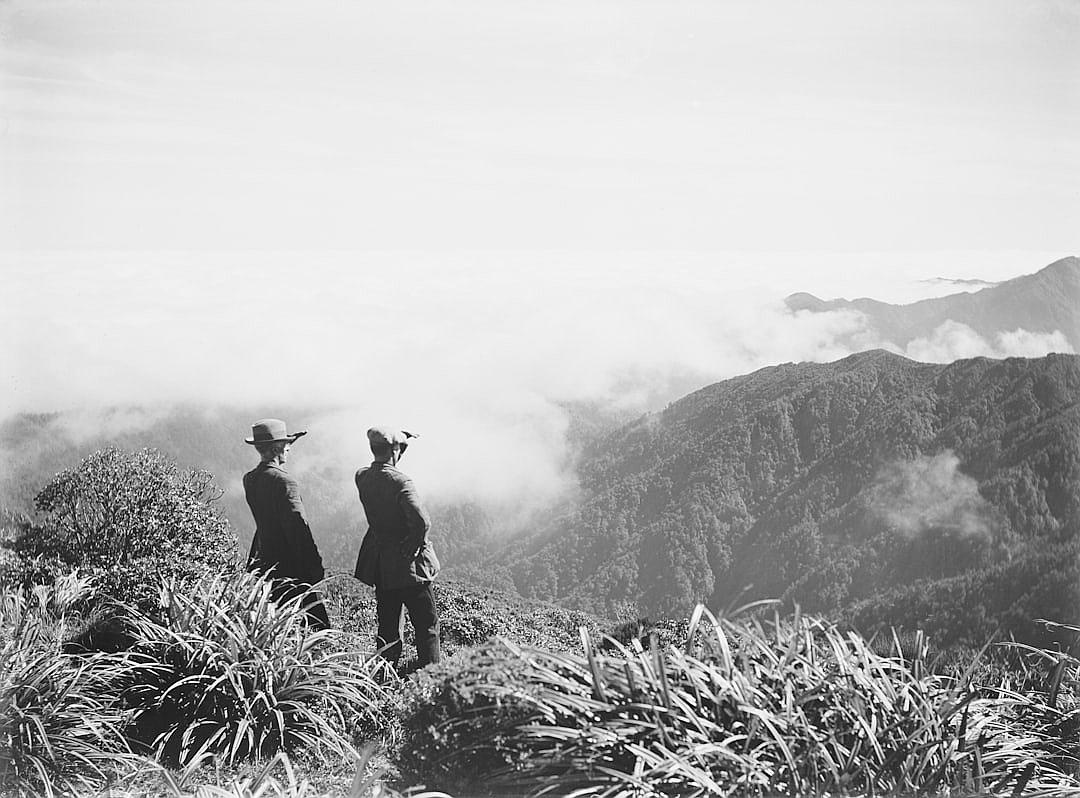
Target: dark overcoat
283 538
395 552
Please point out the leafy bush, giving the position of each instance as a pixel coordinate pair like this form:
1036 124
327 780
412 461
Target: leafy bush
230 673
747 707
25 562
59 729
128 518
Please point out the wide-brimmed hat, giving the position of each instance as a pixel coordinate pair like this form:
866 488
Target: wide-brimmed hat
389 436
271 430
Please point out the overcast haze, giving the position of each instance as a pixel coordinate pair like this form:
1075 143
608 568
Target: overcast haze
455 216
714 125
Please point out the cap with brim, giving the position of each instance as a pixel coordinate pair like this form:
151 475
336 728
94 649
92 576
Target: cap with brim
271 430
389 436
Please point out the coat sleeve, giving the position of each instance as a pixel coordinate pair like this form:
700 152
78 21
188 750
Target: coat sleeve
417 521
367 559
298 535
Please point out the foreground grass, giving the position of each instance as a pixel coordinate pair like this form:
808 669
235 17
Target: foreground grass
222 675
228 694
61 729
786 707
230 674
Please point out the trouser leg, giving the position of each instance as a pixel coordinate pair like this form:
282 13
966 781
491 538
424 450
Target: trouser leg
388 610
317 617
284 590
420 601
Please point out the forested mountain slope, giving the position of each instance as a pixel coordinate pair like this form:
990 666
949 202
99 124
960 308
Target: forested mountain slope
828 484
1044 302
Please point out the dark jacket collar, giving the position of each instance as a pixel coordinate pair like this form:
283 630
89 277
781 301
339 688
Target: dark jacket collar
384 464
268 464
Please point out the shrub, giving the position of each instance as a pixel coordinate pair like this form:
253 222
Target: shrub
230 673
129 518
59 730
750 707
25 557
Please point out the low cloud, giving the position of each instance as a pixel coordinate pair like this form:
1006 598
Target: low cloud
83 425
479 353
962 284
463 453
1022 343
931 493
952 341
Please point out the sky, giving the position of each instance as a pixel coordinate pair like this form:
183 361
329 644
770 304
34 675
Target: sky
568 125
456 216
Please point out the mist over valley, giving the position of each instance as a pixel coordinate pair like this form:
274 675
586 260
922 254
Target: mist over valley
831 484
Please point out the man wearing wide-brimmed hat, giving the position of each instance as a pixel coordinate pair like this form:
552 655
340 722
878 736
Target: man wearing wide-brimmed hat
396 556
283 544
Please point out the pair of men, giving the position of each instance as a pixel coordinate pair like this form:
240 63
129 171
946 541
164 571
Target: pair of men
395 557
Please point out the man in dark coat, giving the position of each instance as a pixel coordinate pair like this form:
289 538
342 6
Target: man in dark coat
283 543
395 556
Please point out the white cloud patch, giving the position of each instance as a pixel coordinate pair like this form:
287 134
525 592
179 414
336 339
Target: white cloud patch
931 493
1023 343
953 341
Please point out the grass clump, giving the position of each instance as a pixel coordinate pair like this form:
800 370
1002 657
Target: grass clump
741 706
60 729
231 674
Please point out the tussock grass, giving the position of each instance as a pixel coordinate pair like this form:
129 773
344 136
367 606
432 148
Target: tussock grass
227 682
743 706
60 729
231 674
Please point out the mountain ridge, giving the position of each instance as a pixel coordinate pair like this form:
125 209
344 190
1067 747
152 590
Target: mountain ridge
1042 302
794 481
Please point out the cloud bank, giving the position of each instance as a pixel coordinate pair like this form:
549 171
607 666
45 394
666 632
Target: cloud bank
478 353
954 341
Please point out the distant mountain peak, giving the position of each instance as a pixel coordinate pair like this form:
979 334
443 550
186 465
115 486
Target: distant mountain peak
804 301
1070 262
870 355
1044 302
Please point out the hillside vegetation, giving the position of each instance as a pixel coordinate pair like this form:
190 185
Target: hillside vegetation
188 678
950 493
941 497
